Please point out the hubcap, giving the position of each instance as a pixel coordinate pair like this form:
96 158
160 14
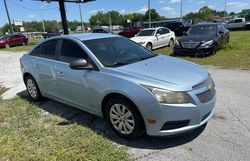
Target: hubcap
31 88
122 119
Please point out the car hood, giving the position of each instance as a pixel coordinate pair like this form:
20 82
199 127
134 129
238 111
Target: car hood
197 38
164 72
141 38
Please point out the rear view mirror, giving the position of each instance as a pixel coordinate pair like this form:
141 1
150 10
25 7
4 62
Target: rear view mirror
80 64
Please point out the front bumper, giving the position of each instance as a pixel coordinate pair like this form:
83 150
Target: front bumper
186 117
193 51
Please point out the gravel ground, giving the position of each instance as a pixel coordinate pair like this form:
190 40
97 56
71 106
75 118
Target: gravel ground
226 136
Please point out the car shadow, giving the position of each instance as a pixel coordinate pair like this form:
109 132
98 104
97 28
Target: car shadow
99 125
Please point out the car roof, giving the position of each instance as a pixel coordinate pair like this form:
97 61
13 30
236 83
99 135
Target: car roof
207 24
89 36
154 28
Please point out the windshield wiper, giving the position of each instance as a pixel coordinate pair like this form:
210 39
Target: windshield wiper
131 61
118 64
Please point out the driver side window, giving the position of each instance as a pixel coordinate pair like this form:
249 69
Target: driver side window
70 51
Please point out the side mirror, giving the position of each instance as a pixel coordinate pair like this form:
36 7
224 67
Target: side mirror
158 35
80 64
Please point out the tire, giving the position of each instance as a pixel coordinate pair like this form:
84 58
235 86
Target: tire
215 50
171 43
149 46
32 88
124 118
7 46
24 43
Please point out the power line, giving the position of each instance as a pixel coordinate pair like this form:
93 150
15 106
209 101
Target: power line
33 9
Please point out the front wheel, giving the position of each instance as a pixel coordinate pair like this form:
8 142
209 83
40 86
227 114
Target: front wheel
124 118
149 46
7 46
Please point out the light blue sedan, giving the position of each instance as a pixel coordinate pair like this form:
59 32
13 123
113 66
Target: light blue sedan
110 76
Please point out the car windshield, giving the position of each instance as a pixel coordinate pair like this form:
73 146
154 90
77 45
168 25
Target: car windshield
4 37
117 51
146 33
203 30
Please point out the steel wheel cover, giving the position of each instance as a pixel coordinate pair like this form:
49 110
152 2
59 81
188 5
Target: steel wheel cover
31 86
122 119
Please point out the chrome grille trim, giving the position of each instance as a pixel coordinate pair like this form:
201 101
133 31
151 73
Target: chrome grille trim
190 45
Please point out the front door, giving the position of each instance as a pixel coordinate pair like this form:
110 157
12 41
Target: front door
74 86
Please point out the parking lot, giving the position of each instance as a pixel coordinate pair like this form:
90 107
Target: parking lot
226 136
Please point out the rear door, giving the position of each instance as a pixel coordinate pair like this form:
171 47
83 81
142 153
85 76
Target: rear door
238 23
166 36
44 66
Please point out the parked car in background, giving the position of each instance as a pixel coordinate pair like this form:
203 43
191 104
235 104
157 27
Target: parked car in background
153 38
101 30
238 23
110 76
179 28
202 39
130 32
48 35
13 40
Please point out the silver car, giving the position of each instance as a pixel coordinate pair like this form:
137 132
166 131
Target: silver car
110 76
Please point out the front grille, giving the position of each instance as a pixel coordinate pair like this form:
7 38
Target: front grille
190 45
175 124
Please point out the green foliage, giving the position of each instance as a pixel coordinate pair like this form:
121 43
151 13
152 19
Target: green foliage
101 18
234 55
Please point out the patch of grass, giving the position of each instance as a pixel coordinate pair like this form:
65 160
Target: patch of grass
235 55
27 47
2 90
28 133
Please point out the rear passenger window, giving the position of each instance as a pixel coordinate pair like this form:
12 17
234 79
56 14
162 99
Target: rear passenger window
238 20
48 49
70 51
36 51
165 31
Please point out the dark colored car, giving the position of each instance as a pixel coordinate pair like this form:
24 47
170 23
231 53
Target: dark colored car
178 27
202 39
101 30
13 40
49 35
130 32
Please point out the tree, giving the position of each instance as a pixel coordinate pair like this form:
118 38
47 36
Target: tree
154 15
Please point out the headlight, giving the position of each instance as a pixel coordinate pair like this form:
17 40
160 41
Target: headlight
141 42
169 97
208 43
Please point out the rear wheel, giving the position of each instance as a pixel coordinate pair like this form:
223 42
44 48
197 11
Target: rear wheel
124 118
7 46
171 43
32 88
149 46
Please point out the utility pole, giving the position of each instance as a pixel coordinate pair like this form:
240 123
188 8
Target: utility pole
63 16
225 12
110 22
80 10
149 14
7 12
181 11
42 16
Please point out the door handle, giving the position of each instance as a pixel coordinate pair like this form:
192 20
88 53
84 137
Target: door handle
60 73
37 66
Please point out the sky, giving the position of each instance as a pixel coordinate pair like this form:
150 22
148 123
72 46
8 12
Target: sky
28 10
